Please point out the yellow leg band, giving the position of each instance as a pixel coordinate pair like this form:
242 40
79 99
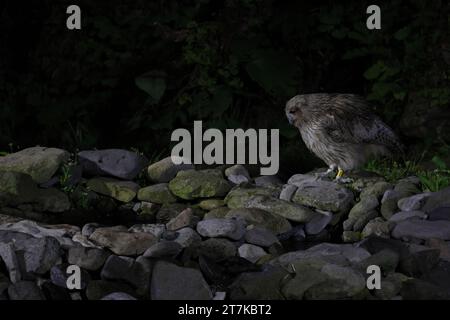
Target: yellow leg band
340 173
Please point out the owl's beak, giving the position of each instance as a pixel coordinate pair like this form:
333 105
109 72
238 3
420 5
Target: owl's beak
290 118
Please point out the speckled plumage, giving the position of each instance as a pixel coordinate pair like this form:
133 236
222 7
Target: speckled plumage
341 130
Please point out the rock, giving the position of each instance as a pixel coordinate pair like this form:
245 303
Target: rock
261 218
39 255
84 241
171 210
87 258
62 233
39 162
216 249
403 189
378 227
133 272
351 236
260 237
405 215
390 286
211 204
342 283
123 243
306 276
247 286
442 246
158 193
238 196
251 252
25 290
122 164
97 289
422 229
155 229
89 228
323 195
185 219
362 213
53 292
287 192
228 228
59 276
146 211
124 191
414 202
193 184
118 296
8 255
318 223
170 282
165 170
288 210
217 213
420 261
237 174
386 259
187 237
416 289
377 189
268 182
437 199
163 249
440 213
20 188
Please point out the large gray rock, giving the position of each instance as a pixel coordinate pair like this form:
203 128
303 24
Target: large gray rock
437 199
39 162
123 243
415 202
404 215
165 170
192 184
133 272
323 195
260 237
261 218
251 252
170 282
422 229
228 228
87 258
122 164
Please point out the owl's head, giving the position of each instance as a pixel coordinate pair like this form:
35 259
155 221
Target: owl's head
296 110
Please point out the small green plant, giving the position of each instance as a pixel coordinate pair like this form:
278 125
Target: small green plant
431 180
64 178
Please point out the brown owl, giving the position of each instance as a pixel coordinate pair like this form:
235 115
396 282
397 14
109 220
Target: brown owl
341 130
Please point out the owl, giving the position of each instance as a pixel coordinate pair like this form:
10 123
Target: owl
341 130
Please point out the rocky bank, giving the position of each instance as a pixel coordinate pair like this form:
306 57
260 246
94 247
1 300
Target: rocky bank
141 230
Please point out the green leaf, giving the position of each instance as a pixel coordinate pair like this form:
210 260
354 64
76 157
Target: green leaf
155 86
375 71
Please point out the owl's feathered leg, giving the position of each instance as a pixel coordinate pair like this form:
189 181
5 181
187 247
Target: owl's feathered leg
331 169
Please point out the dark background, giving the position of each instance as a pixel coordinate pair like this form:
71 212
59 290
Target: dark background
139 69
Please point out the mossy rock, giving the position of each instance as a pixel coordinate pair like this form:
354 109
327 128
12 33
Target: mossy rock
123 191
158 193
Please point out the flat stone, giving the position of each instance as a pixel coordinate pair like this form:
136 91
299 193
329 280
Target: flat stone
211 204
415 202
123 191
184 219
318 223
261 218
155 229
323 195
287 192
437 199
422 229
171 282
440 213
221 228
217 213
405 215
118 163
123 243
39 162
157 193
165 170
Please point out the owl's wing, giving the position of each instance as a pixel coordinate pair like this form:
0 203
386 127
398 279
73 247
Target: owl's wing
350 121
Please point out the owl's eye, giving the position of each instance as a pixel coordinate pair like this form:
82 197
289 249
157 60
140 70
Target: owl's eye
292 111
